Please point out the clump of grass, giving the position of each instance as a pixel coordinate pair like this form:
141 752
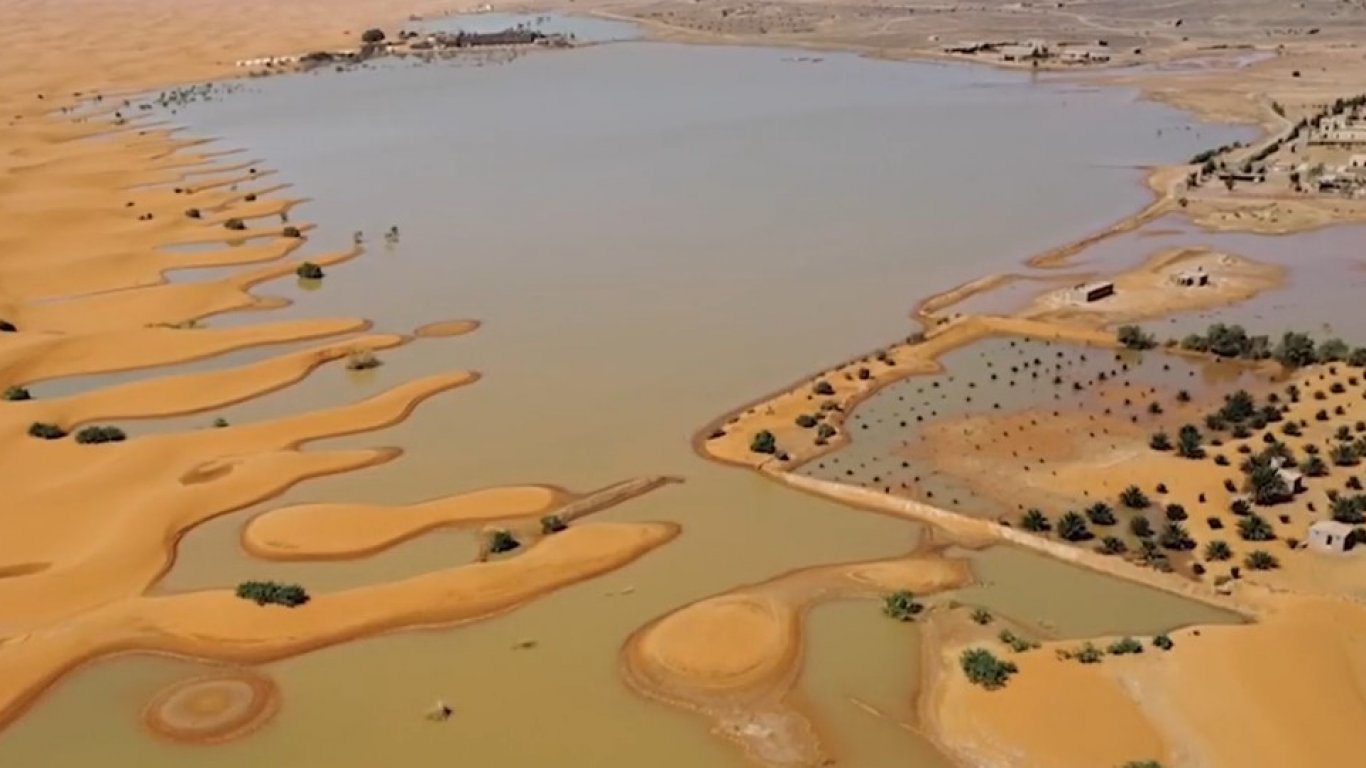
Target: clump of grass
901 606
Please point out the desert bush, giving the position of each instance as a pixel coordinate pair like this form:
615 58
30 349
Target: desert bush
1160 442
982 616
17 393
362 359
1176 513
46 431
1140 527
806 421
235 224
1125 646
1261 560
87 435
1254 527
823 388
1133 337
1163 642
1072 527
1218 550
291 231
272 593
1112 545
553 524
309 271
1100 513
1133 498
983 668
764 442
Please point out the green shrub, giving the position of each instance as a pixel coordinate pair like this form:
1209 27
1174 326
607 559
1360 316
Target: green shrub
1133 337
309 271
553 524
1261 560
236 225
46 431
1163 642
806 421
17 393
89 435
1160 442
1140 527
983 668
503 541
901 606
1125 645
220 422
271 592
981 616
1176 513
823 388
291 231
764 442
1255 528
1088 654
192 213
824 432
7 327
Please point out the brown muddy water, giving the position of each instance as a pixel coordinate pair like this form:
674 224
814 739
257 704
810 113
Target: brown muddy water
652 235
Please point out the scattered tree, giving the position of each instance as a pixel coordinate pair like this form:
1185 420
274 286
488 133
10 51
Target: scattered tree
272 593
983 668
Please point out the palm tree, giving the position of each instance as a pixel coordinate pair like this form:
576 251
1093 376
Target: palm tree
1133 498
1100 513
1175 536
1267 486
1254 527
1188 443
1072 527
1176 513
1034 520
1343 455
1140 527
1261 560
1111 545
1218 550
1314 467
1349 509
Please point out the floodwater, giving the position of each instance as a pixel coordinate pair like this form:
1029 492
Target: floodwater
652 235
1001 375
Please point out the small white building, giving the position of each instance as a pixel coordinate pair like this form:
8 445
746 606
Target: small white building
1191 278
1331 536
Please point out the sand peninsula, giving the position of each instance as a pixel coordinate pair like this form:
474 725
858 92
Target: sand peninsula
91 197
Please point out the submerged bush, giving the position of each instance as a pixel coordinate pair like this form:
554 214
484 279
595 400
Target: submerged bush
901 606
503 541
309 271
236 225
272 592
1125 645
553 524
291 231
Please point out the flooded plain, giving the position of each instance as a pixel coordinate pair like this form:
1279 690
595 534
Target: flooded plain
651 234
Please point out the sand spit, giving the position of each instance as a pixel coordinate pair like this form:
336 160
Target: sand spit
446 328
212 709
217 625
736 657
339 531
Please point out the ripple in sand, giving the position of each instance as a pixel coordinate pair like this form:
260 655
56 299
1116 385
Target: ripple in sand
213 709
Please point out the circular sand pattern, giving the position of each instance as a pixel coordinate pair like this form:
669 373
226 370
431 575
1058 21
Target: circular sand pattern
729 643
212 709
